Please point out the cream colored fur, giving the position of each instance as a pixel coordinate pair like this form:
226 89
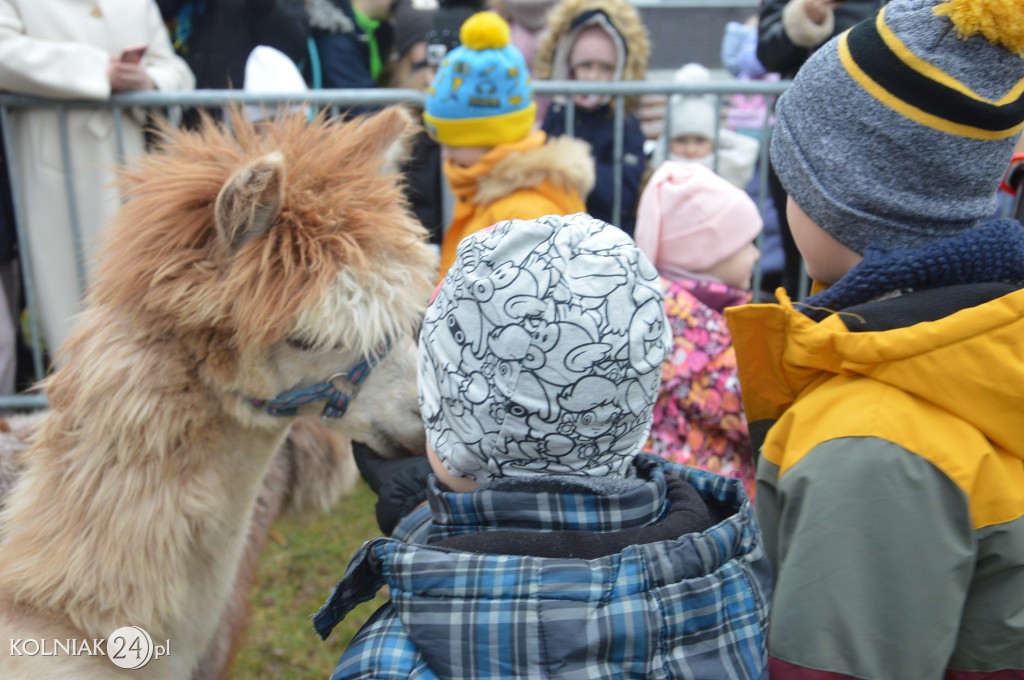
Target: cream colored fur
311 471
133 503
801 30
564 161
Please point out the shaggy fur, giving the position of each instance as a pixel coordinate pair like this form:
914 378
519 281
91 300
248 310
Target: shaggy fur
564 161
242 266
310 473
15 430
312 470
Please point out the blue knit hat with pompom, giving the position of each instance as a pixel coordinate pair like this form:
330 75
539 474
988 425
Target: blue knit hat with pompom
481 95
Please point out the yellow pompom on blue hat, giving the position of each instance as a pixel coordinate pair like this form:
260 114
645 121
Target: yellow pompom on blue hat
482 94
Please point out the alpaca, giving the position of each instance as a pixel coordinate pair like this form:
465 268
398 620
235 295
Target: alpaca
311 471
246 278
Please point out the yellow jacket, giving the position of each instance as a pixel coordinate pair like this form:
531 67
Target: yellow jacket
521 180
890 485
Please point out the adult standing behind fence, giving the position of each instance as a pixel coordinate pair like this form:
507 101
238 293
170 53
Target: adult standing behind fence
351 44
215 37
67 49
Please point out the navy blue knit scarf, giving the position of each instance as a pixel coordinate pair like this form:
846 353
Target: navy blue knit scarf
991 252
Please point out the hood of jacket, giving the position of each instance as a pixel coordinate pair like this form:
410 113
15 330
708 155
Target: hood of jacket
967 363
623 17
563 161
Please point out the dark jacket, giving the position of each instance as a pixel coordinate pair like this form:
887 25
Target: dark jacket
8 228
423 184
595 126
215 37
342 45
776 49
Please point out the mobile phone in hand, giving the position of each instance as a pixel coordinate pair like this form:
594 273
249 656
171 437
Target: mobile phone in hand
133 54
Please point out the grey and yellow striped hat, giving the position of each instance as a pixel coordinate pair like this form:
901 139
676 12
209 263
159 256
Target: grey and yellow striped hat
898 131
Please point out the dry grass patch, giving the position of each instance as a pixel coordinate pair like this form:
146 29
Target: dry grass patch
300 563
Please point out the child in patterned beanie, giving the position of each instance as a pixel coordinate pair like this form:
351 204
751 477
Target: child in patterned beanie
891 477
480 109
699 231
550 539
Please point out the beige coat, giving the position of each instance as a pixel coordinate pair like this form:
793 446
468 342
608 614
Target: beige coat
61 49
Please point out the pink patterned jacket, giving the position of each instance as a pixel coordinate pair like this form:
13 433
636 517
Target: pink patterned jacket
698 419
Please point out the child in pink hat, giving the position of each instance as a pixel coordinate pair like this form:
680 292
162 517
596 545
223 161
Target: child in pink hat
699 230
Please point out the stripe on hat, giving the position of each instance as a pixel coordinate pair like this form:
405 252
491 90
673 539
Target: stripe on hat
883 65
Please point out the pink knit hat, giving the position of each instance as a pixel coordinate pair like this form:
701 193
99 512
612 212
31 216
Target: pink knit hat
689 219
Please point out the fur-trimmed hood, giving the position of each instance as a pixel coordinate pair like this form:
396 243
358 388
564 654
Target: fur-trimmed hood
564 161
329 15
623 17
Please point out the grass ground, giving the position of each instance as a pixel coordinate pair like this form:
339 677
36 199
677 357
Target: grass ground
299 565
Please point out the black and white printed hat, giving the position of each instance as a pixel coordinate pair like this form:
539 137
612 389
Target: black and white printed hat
541 352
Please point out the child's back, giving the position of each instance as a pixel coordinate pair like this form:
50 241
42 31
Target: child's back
891 474
551 541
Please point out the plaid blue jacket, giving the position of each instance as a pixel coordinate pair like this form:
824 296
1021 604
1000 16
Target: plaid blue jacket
695 607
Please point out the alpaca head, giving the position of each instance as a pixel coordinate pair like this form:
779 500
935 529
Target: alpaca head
276 261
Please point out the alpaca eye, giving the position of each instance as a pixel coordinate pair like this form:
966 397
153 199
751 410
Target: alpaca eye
301 344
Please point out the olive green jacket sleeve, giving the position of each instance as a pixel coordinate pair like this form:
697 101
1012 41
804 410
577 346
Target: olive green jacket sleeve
874 551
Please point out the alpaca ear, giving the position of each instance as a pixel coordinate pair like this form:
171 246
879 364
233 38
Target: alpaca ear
392 130
249 203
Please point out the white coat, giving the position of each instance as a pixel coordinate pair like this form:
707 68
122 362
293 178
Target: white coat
61 49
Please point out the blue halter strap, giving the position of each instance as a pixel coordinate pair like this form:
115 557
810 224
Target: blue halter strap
287 403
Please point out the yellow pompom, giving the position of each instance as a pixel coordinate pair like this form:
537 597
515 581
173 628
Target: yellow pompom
1001 21
484 31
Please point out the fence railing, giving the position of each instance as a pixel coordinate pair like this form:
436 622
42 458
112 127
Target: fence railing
171 105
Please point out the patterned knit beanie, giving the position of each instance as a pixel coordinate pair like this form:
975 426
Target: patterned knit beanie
541 352
898 131
481 95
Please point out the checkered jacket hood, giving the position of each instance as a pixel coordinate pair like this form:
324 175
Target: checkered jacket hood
694 607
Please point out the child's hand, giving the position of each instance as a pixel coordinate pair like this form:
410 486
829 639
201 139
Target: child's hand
400 483
127 76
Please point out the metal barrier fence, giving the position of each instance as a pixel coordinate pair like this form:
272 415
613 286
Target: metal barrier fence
337 100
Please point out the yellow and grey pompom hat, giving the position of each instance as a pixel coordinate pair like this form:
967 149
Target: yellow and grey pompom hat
481 95
898 131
